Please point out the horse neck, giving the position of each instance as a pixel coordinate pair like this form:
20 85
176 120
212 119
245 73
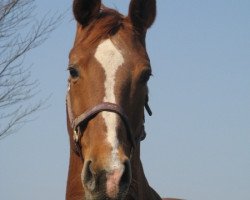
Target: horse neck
74 190
139 188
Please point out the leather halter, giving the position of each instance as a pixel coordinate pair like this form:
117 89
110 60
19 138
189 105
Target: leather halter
89 114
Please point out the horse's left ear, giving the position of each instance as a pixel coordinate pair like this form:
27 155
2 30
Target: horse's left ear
142 13
86 10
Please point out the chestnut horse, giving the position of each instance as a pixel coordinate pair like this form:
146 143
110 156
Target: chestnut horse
109 69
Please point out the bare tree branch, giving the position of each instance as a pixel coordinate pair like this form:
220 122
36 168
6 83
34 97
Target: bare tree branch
20 32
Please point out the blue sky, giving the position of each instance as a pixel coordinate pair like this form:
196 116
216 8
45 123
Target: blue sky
198 143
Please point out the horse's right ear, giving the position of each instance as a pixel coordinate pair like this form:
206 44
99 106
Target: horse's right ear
86 10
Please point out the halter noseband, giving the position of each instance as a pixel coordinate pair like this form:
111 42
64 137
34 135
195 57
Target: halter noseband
89 114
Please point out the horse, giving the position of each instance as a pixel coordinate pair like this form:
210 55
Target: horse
107 91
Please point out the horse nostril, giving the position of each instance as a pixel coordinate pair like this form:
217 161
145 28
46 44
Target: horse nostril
88 174
126 176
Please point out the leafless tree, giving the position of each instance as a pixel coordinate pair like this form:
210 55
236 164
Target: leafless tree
20 32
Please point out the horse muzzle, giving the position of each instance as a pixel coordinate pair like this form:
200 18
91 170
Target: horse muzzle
106 184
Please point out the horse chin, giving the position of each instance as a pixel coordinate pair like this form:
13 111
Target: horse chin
121 195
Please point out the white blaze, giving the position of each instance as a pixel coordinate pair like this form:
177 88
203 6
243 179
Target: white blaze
111 59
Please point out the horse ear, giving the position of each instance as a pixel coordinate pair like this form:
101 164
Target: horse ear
86 10
142 13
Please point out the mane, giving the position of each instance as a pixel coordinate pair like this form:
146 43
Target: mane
107 24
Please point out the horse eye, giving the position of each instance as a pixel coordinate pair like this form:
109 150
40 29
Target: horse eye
145 76
74 73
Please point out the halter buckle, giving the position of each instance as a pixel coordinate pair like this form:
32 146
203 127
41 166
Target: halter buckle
76 135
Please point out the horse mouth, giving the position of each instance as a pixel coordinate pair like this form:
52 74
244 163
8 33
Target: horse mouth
102 195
